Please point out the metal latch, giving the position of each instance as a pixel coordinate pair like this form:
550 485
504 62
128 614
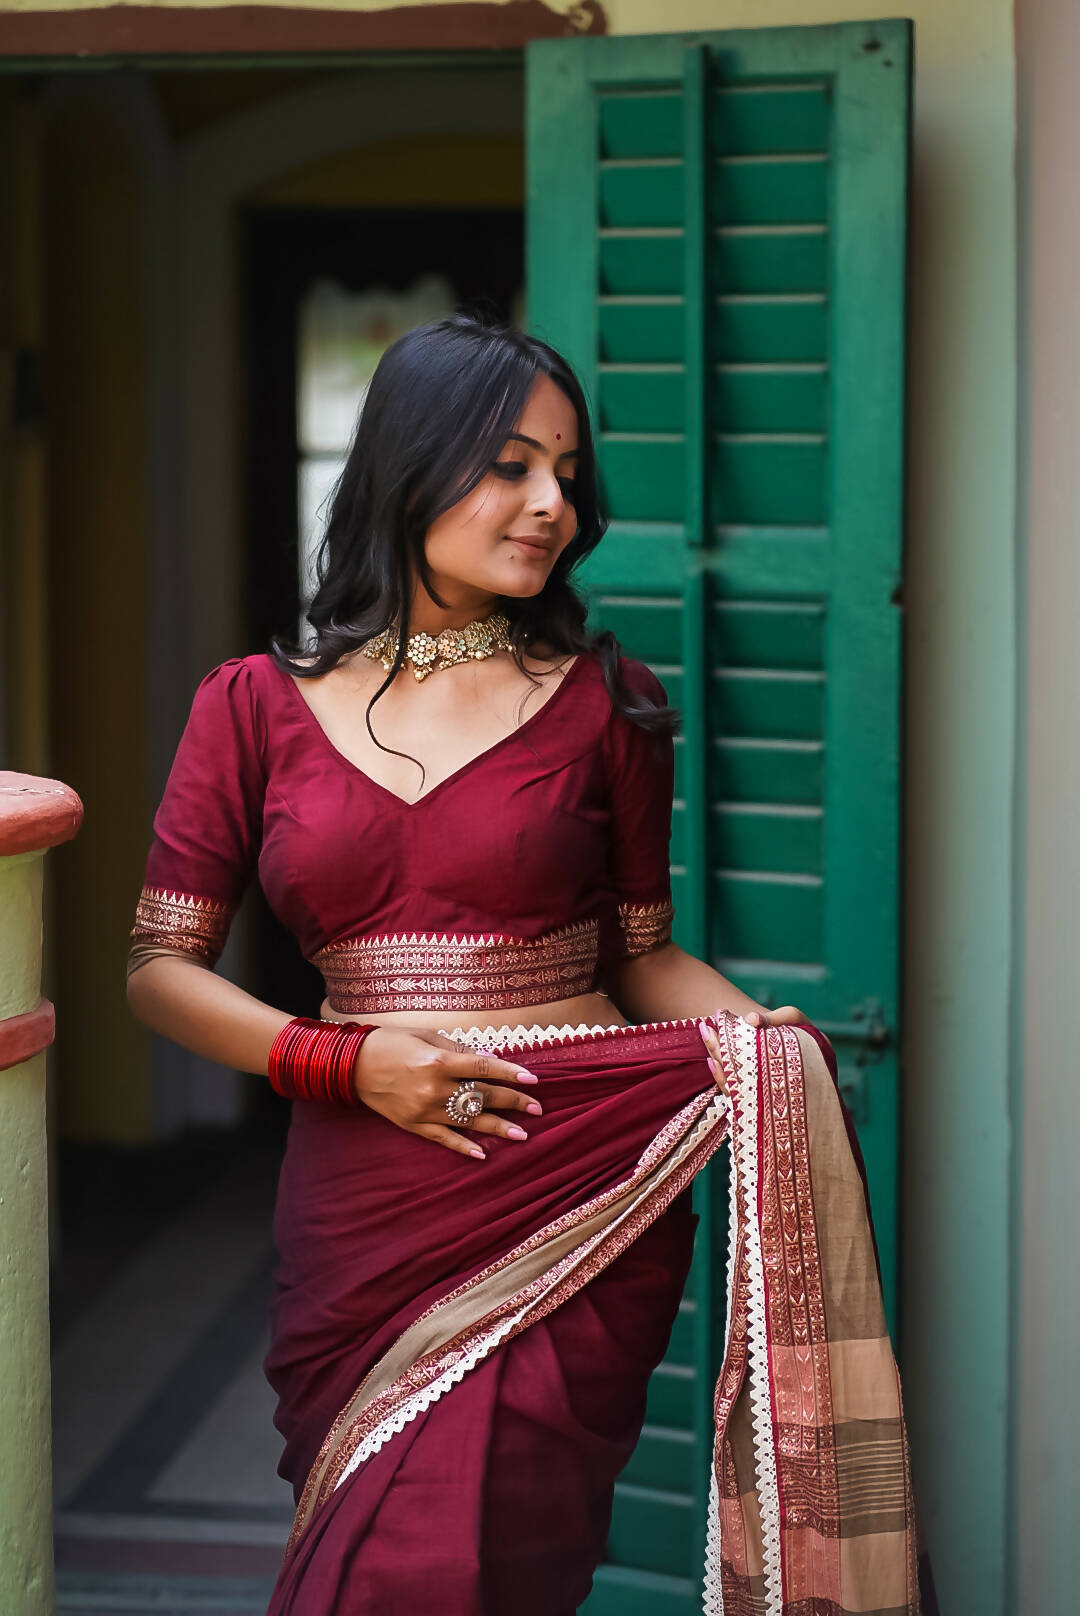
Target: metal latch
868 1030
866 1025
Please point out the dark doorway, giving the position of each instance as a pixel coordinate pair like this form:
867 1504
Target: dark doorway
479 255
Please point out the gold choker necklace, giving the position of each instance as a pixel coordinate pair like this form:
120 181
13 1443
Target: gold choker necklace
425 652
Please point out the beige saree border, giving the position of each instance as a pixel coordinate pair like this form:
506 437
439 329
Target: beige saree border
797 1534
459 1331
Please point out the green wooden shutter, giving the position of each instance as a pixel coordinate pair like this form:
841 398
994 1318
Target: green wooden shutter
716 235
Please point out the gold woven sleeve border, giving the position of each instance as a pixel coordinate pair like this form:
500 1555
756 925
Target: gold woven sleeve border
182 922
645 926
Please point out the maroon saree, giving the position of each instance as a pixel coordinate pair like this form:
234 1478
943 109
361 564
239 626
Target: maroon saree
461 1349
461 1352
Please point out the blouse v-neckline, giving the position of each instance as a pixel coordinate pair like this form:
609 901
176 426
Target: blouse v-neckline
464 768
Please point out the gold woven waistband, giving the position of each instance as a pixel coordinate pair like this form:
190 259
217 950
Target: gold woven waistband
426 971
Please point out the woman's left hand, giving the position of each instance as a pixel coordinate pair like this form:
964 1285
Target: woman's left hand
786 1016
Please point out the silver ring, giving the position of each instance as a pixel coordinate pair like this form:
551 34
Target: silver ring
466 1102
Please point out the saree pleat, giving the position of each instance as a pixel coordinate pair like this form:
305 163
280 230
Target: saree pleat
497 1498
462 1351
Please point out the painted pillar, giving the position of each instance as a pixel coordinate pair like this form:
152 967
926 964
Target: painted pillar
35 814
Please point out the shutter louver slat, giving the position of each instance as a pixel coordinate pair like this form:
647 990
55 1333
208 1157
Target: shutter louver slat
634 330
767 190
762 120
647 262
770 328
768 398
767 259
640 400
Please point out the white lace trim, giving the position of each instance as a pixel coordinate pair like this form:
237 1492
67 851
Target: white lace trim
522 1037
713 1598
428 1395
423 1399
713 1591
746 1176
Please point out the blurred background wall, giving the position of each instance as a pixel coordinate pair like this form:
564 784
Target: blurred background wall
1046 1094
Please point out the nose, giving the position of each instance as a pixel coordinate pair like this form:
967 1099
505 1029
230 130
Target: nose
547 495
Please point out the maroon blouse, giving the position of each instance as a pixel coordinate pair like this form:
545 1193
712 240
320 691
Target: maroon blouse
511 882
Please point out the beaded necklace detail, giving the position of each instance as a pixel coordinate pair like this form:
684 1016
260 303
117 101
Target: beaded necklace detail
425 653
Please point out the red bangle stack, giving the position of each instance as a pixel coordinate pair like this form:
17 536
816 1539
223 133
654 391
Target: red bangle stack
314 1060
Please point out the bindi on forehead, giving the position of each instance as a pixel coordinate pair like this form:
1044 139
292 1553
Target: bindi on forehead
534 443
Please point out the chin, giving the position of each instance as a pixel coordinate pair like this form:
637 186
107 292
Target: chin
521 584
522 589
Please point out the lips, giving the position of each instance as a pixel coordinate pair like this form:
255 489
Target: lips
531 541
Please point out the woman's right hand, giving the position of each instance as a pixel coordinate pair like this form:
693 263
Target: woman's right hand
407 1074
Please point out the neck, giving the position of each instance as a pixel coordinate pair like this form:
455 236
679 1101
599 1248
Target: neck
461 608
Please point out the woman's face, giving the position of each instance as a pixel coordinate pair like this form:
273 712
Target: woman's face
505 536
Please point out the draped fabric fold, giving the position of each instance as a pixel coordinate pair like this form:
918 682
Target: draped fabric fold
471 1348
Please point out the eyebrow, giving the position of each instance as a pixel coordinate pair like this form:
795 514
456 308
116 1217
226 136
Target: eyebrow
533 444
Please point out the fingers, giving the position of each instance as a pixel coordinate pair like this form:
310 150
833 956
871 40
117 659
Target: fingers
496 1099
475 1065
470 1064
786 1016
500 1099
773 1018
489 1068
433 1036
712 1045
488 1122
452 1140
449 1138
709 1038
753 1018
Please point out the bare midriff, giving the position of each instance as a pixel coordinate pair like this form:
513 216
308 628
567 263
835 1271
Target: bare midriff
590 1009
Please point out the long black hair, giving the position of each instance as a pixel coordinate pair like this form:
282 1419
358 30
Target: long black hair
439 408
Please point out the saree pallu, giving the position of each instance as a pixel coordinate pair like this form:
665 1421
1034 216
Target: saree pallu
461 1350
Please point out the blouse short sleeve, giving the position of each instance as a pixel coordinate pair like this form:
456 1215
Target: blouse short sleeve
208 827
641 781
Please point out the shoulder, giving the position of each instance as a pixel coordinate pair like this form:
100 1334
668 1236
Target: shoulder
636 679
235 696
640 680
243 679
629 744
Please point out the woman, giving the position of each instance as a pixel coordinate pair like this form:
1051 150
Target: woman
460 802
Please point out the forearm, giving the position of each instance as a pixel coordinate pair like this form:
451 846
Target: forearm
667 983
205 1013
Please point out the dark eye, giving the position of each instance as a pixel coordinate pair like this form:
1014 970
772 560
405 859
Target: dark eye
569 488
511 469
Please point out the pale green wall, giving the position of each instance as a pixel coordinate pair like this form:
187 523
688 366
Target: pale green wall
1047 1099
